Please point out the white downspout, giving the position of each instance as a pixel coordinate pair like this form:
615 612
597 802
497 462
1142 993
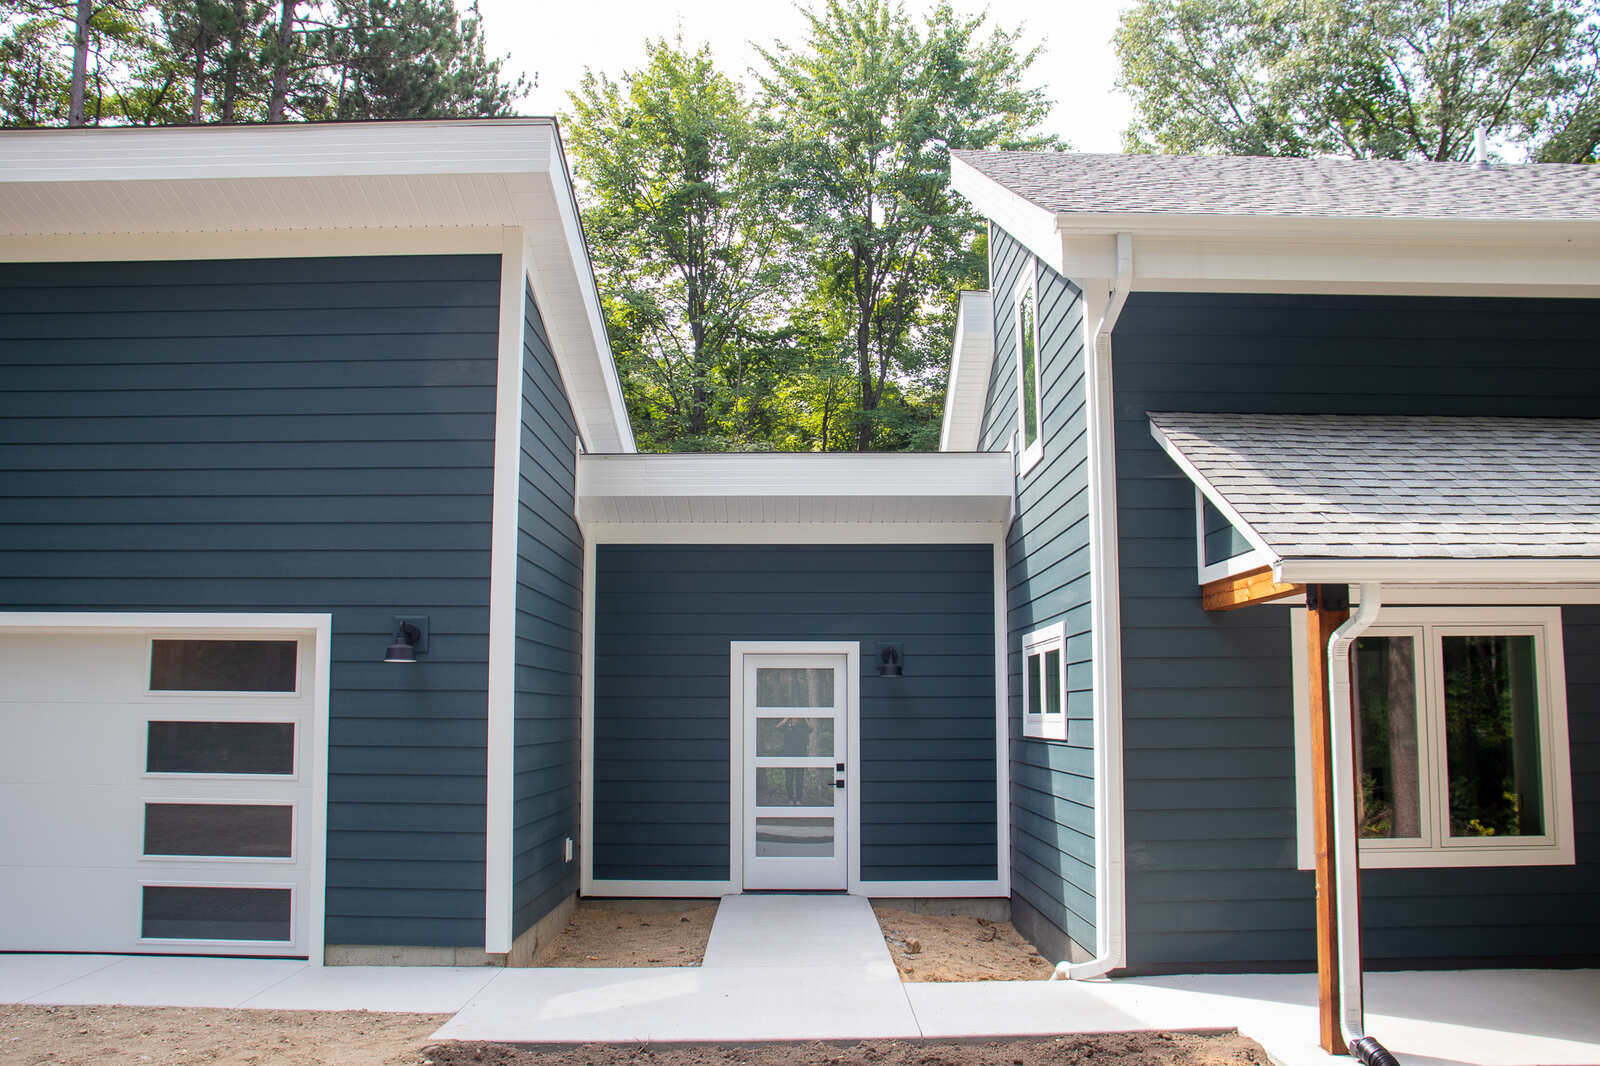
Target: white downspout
1346 882
1110 890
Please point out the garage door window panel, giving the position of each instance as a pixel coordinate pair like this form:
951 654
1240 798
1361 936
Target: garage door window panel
217 913
267 667
220 748
214 830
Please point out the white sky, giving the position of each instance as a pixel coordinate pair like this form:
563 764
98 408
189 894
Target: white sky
559 40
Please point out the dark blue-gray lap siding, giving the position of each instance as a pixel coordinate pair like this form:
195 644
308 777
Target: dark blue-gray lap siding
283 435
1047 560
549 636
1209 755
665 617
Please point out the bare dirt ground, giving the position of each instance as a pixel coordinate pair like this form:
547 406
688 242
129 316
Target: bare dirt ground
1124 1049
170 1036
633 933
180 1036
958 947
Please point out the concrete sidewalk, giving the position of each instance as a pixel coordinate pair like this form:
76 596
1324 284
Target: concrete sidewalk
815 967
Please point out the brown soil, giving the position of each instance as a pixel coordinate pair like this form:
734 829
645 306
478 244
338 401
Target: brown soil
633 933
167 1036
1124 1049
958 947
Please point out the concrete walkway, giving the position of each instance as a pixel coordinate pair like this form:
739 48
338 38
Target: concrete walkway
815 967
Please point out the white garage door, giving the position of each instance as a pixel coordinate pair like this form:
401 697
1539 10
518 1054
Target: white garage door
156 792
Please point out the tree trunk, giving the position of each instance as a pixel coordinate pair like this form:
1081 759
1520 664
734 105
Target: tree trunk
197 108
232 66
80 61
1406 785
278 103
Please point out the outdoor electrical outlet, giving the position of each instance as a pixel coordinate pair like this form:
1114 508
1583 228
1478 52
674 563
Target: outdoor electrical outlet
567 850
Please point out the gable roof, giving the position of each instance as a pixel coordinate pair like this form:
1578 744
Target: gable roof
96 192
1402 488
1073 183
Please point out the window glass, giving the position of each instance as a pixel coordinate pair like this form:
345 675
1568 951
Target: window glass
182 913
231 829
1386 744
794 686
1027 341
1491 708
222 666
794 837
794 786
220 748
1052 681
794 736
1035 685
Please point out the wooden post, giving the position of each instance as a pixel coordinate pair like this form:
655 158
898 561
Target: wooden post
1327 608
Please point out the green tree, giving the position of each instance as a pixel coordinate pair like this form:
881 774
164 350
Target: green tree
685 241
53 75
865 112
1390 79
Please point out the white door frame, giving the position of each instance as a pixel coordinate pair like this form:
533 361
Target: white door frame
318 627
737 650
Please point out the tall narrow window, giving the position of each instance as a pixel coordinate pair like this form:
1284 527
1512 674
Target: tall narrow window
1030 417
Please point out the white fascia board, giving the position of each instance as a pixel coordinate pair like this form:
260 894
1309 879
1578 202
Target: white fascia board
1437 571
287 150
1293 257
792 532
1023 219
1267 554
971 359
798 474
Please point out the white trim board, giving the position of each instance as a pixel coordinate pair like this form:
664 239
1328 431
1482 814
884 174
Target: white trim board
792 533
971 358
318 626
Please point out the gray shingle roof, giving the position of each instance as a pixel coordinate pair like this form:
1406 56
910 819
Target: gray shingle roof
1392 487
1082 183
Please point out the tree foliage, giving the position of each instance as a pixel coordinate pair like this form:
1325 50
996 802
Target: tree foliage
1395 79
155 62
778 272
688 243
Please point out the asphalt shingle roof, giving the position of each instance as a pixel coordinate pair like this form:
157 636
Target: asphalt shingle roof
1084 183
1389 487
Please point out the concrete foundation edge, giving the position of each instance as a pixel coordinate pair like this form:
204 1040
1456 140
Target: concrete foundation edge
523 950
1051 940
986 907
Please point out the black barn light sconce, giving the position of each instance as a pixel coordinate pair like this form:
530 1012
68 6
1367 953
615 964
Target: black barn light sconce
891 659
410 639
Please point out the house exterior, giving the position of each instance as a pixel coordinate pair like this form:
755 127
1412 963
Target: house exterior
339 620
1253 392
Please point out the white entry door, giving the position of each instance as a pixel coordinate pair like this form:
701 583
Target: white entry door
797 784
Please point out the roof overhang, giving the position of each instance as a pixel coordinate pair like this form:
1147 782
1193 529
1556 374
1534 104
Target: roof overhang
800 493
1242 253
1393 515
970 361
92 193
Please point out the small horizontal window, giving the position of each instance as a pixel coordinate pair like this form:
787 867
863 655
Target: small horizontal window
220 748
1044 684
234 830
222 665
175 912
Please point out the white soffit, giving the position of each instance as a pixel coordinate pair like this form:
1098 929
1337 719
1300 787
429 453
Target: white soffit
429 176
786 488
967 393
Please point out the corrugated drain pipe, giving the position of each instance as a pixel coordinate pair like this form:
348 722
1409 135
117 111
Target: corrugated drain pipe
1347 883
1110 902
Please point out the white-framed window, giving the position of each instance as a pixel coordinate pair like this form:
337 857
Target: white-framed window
1030 380
1044 683
1460 718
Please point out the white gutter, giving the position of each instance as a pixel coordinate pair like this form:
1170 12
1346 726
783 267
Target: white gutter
1346 868
1106 646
